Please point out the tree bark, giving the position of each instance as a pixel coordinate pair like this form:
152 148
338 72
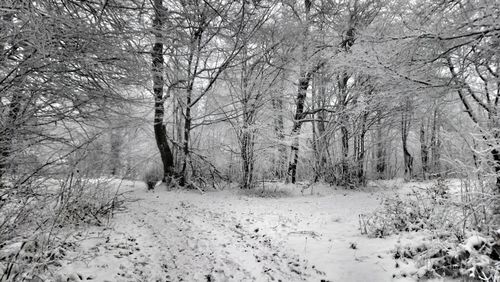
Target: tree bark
7 133
304 79
424 151
381 165
280 159
247 134
435 144
160 130
115 148
405 130
187 133
320 144
297 124
345 178
360 156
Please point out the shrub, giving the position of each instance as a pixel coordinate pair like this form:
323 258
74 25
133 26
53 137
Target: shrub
152 175
39 215
458 246
476 257
414 212
266 193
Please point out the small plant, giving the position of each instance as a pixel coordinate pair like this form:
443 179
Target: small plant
152 176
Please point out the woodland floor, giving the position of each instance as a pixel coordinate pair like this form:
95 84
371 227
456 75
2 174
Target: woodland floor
227 236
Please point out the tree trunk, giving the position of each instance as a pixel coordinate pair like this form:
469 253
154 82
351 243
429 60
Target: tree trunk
157 70
115 148
424 151
435 144
177 131
360 156
247 156
299 115
381 165
320 144
247 134
345 179
304 80
405 130
280 159
7 133
496 203
187 133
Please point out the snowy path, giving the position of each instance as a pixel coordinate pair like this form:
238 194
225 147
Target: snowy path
222 236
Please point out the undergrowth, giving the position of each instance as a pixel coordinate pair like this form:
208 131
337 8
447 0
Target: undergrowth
463 240
38 217
266 193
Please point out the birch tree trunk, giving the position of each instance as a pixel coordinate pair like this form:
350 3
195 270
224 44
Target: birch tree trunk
405 130
303 84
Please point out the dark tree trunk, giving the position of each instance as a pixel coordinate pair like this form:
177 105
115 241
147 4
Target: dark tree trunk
381 165
157 70
424 151
345 152
187 133
360 156
496 165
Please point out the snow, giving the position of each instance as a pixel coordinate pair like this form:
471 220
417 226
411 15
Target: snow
226 236
473 243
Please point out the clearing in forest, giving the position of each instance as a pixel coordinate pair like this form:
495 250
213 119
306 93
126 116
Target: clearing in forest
228 236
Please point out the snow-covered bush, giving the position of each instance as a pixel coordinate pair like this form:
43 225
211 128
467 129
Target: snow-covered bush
89 202
36 218
419 210
457 227
477 257
266 193
152 175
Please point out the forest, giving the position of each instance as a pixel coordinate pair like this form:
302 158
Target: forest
249 140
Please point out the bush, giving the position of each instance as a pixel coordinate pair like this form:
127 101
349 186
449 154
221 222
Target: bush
37 216
152 175
459 246
417 211
476 258
90 202
266 193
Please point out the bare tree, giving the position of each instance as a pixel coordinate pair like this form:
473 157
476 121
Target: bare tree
160 129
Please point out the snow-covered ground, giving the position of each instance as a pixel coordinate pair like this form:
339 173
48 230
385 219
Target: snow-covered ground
227 236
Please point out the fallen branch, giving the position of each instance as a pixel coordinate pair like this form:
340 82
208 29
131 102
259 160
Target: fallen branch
196 186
